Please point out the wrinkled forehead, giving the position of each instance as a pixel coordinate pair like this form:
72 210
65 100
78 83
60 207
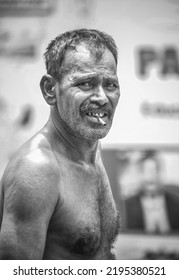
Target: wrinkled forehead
84 57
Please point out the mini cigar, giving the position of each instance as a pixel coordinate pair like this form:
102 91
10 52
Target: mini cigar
101 121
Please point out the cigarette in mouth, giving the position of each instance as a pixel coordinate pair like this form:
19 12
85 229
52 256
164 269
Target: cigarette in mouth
101 121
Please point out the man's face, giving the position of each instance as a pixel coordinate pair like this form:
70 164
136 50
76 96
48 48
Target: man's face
88 93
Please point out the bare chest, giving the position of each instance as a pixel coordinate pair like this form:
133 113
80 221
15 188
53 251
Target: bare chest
86 219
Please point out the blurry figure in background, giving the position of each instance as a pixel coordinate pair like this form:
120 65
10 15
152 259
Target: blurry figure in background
14 130
25 117
155 209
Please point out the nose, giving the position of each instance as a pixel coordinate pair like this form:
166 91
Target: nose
99 96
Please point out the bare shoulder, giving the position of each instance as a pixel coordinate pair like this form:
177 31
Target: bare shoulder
31 178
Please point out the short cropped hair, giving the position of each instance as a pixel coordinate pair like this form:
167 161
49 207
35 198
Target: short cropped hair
94 40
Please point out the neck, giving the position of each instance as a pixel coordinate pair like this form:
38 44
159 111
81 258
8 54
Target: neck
76 148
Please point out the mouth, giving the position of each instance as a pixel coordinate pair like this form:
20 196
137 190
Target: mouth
97 117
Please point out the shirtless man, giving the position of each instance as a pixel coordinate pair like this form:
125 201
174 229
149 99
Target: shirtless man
55 198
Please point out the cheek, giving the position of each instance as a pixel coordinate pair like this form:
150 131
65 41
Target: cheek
117 96
115 100
69 108
64 104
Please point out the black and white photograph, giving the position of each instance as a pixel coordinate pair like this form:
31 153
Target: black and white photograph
89 132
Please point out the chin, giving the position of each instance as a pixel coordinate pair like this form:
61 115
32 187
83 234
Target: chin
92 133
95 135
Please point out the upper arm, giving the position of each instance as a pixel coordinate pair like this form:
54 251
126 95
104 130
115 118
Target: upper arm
29 201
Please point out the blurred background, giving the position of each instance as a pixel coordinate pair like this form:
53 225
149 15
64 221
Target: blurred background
146 124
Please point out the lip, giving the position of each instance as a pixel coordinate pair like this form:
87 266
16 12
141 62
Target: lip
97 117
91 111
97 114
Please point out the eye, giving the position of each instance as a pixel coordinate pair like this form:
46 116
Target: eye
111 86
85 85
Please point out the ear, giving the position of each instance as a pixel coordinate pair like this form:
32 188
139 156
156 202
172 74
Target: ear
47 85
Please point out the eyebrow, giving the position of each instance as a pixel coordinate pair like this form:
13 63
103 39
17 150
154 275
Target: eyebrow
84 76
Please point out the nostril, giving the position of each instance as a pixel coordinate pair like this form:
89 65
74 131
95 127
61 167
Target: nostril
100 99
